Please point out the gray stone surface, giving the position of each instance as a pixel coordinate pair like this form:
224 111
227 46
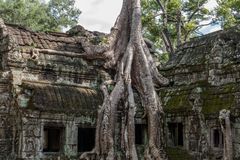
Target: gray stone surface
204 75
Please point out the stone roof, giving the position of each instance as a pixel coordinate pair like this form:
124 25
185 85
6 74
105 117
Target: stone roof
200 50
48 70
40 40
209 64
62 98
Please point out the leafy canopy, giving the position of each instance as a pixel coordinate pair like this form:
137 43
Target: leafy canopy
39 16
186 14
228 12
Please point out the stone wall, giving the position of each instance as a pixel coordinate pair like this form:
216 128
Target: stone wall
204 79
7 114
236 139
45 81
32 137
38 71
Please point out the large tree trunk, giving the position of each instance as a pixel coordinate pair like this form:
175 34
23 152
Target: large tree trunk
127 53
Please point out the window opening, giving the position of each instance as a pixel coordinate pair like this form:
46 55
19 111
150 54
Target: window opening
139 134
175 134
217 138
86 139
52 139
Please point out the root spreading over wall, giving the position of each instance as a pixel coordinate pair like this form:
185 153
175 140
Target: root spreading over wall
128 55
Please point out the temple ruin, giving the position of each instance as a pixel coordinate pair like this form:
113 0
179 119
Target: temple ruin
203 96
50 96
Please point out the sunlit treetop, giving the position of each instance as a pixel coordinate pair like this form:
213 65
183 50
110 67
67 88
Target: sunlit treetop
228 12
40 16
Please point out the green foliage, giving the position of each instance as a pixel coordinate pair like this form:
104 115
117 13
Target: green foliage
228 12
39 16
150 21
163 57
189 12
63 13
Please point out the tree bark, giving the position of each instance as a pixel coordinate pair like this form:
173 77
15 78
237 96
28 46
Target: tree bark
179 28
224 118
127 53
165 32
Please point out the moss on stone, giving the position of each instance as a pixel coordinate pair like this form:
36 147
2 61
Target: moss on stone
178 154
230 88
214 98
175 101
218 98
217 103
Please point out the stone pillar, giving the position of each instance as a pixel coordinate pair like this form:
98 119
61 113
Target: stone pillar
71 145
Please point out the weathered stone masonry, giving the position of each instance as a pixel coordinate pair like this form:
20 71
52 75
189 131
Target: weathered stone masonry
47 90
205 76
49 95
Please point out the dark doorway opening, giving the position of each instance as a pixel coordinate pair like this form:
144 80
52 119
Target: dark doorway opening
175 134
86 139
140 133
52 139
180 134
217 138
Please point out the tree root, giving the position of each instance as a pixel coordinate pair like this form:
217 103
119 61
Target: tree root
134 68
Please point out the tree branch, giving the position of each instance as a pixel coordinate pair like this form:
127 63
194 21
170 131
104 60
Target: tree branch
165 33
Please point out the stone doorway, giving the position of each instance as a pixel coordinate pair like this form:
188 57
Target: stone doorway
175 134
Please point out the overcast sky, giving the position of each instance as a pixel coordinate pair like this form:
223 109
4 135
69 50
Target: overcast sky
100 15
214 27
